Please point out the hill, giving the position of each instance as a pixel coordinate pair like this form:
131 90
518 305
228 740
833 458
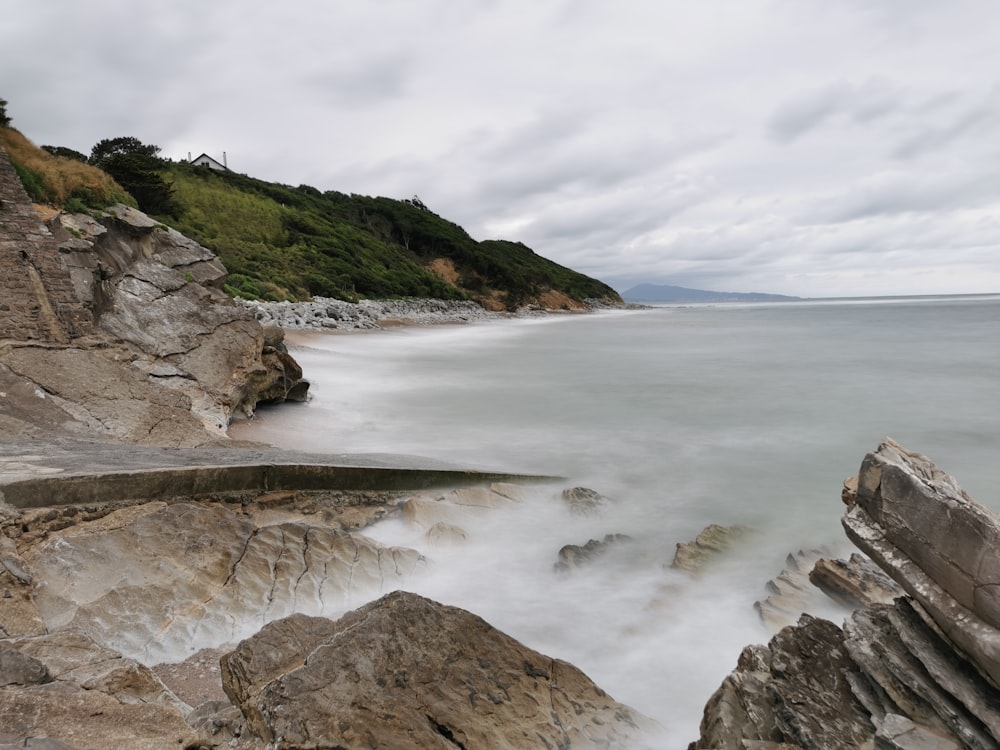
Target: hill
282 242
668 293
292 243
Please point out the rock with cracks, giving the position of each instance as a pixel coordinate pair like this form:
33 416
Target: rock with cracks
408 673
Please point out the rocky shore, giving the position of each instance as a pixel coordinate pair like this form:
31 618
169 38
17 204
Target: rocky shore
163 587
325 314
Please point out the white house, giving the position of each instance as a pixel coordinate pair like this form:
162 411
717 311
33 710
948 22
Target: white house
207 161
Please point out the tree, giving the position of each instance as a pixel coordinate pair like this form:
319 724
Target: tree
4 119
123 146
65 152
135 166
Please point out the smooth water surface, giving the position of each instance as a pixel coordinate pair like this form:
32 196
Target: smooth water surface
685 416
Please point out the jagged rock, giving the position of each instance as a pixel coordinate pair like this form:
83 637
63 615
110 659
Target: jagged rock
942 548
916 674
710 542
406 672
796 691
187 576
789 593
583 500
93 698
913 673
573 556
854 583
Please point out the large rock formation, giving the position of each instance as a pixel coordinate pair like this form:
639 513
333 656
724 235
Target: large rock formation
408 673
116 326
921 672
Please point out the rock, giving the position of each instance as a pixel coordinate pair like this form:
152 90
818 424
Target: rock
854 583
795 691
453 508
917 673
445 534
790 593
710 542
20 669
942 548
583 500
187 576
94 698
573 556
407 672
899 733
115 326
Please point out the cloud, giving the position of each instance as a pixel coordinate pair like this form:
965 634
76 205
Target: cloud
784 145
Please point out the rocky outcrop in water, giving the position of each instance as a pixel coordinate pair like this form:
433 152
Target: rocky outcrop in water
116 326
407 672
920 672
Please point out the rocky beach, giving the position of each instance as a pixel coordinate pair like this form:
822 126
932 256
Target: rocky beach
162 585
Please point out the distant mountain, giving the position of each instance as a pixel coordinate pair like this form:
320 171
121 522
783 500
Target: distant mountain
668 293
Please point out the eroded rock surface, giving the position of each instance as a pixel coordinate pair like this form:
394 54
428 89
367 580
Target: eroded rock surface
189 575
407 672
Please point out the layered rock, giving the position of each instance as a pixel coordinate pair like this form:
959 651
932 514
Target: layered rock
116 326
920 672
407 672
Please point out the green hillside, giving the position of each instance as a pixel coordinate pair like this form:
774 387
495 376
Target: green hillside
285 243
280 242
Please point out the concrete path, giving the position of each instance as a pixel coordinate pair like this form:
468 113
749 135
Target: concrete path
42 473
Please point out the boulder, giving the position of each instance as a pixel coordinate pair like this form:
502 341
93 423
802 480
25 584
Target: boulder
407 672
86 696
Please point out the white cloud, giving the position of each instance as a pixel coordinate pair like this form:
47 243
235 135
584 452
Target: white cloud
771 145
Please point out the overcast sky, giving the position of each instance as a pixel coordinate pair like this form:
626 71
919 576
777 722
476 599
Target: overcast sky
806 147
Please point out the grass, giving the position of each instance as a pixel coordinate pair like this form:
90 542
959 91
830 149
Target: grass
59 181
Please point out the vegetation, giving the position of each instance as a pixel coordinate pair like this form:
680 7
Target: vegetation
281 242
135 166
60 180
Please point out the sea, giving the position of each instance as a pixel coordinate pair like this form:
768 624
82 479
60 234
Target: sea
682 416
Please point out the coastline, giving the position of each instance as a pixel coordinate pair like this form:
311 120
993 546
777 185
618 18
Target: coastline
333 315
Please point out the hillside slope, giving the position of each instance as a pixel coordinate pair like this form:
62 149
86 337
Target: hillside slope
292 243
280 242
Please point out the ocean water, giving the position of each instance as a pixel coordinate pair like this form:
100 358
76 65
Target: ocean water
684 416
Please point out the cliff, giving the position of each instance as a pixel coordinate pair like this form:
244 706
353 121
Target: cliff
112 325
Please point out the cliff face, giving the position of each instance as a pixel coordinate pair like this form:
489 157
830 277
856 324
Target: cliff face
115 326
921 672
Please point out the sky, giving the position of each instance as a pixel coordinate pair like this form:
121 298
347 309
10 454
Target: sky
807 147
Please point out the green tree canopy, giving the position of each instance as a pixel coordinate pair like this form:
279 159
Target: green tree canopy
136 167
4 119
